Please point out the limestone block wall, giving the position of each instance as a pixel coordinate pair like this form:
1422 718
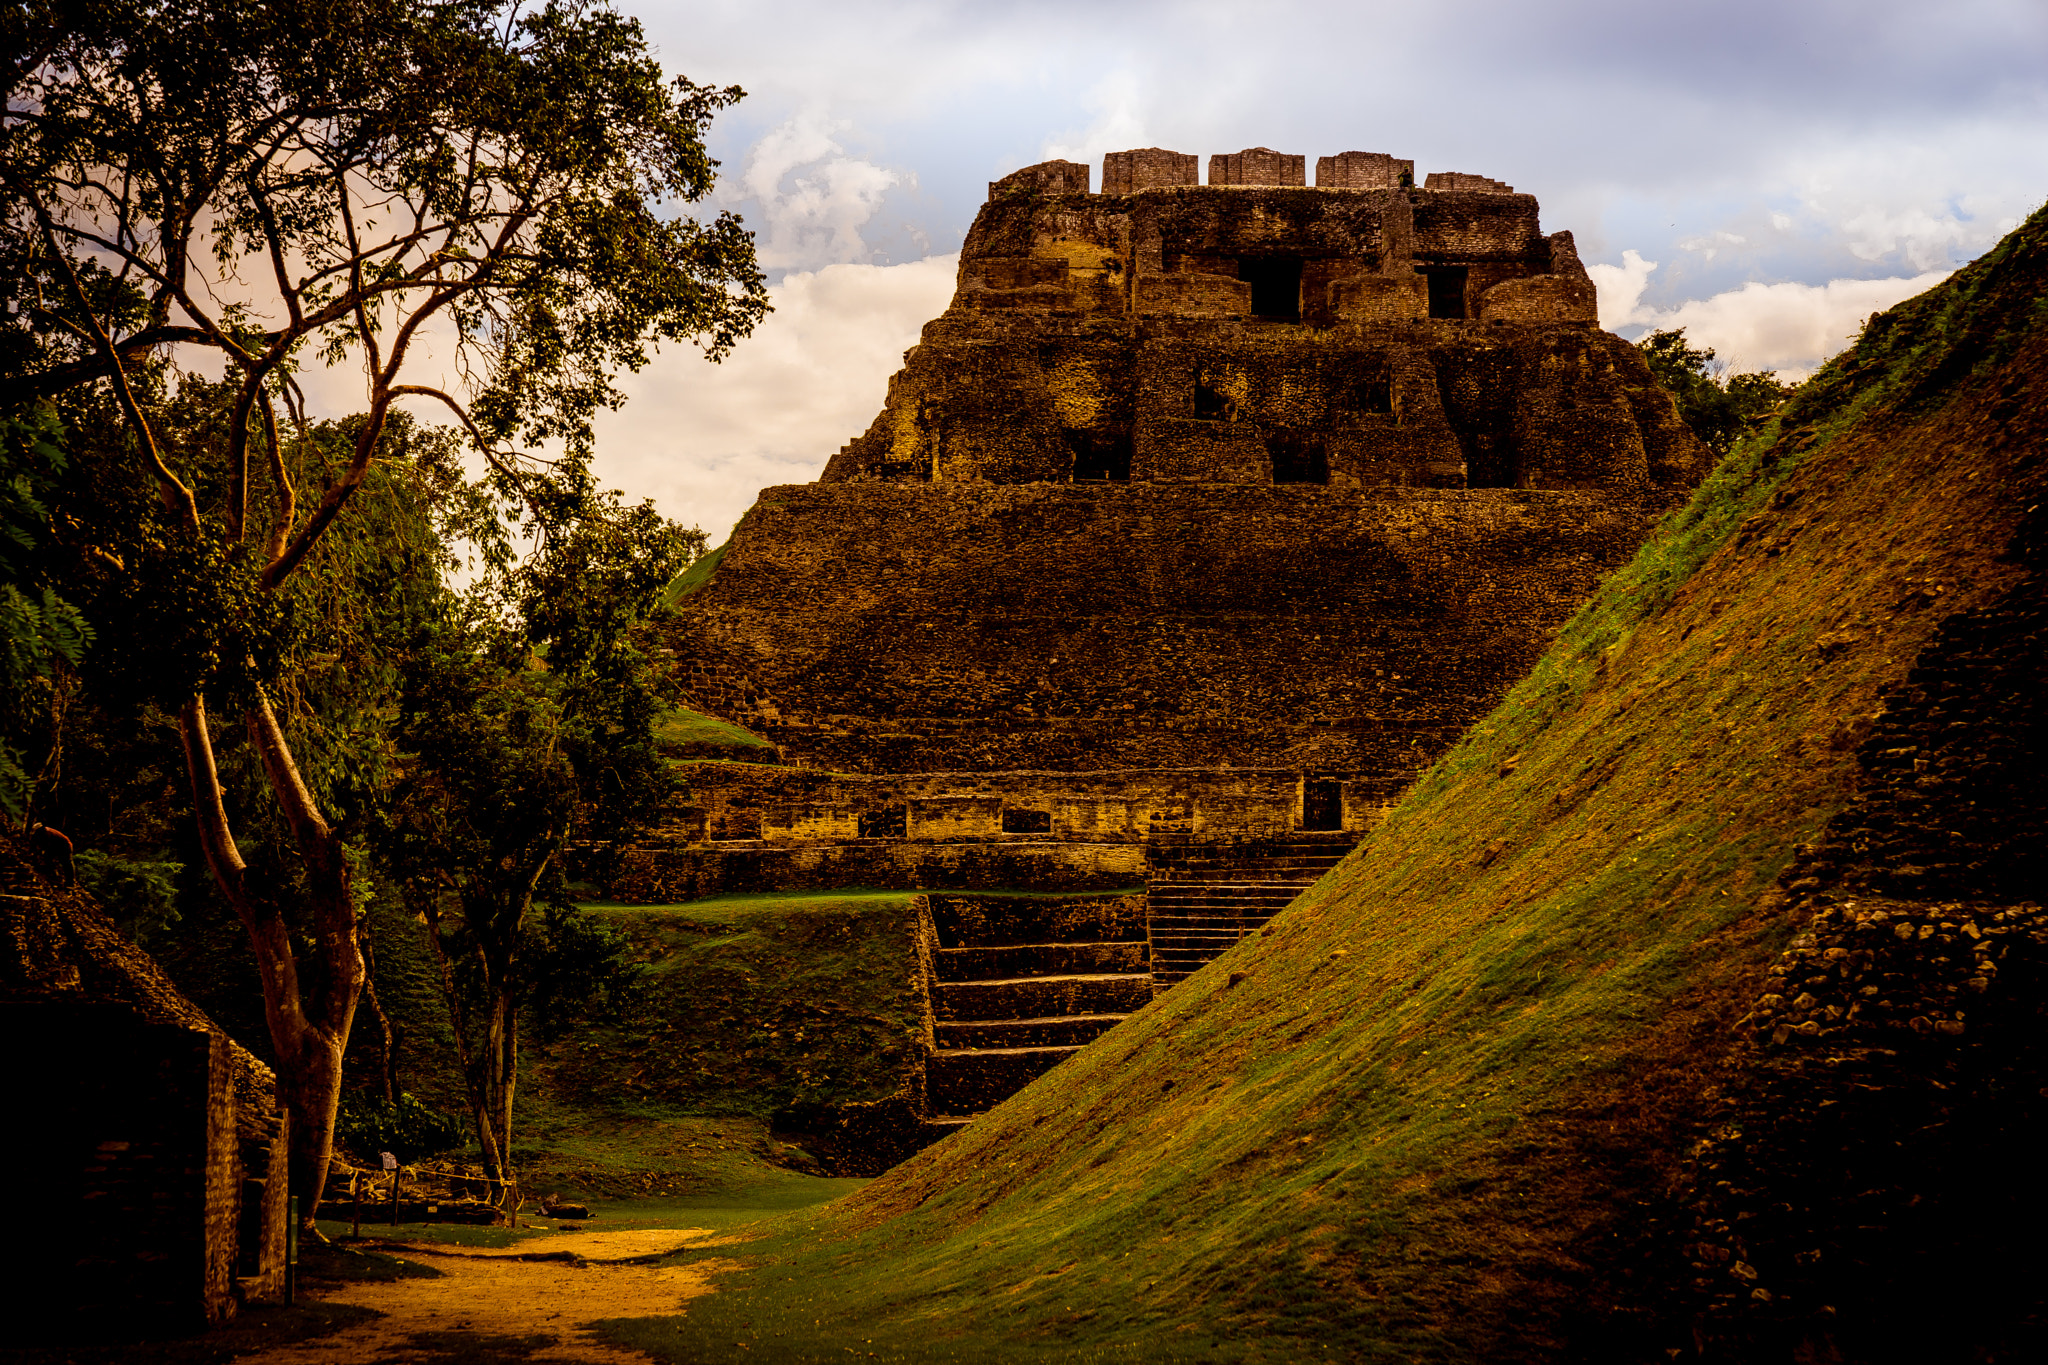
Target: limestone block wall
1047 177
1404 401
1364 171
1460 180
729 802
659 872
1262 335
1146 168
1256 166
878 627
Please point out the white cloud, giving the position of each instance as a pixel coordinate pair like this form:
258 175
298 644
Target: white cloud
702 440
1621 288
1713 243
1924 239
1788 327
1117 105
813 199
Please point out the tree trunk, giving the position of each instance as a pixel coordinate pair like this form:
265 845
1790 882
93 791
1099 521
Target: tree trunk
474 1052
497 1065
389 1035
308 1028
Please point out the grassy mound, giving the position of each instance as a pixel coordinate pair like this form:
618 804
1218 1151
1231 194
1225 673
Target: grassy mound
756 1004
693 579
685 735
1436 1109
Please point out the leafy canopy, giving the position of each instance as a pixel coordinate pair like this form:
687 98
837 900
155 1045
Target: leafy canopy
283 180
1717 405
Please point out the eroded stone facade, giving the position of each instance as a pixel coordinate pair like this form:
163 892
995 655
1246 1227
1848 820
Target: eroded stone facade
1202 519
1358 333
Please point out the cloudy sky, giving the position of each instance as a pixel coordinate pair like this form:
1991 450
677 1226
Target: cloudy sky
1763 172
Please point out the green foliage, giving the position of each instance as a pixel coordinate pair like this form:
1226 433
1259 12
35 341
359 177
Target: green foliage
191 616
139 895
42 635
1718 406
528 710
578 967
598 575
519 159
409 1129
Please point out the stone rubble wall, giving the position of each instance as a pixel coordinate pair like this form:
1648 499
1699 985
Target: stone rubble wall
1118 339
878 628
732 801
1889 1079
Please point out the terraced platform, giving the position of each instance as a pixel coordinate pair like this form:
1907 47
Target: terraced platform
1202 898
1024 981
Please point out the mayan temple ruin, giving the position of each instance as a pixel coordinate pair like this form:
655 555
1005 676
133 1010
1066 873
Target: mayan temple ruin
1202 519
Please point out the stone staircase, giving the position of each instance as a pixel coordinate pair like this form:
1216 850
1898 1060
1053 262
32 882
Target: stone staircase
1204 897
1023 982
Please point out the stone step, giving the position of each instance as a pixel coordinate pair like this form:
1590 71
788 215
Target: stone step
1263 860
1290 886
943 1125
1227 889
1230 891
967 920
1283 858
1060 1030
1167 876
1195 904
974 1079
1039 959
1038 997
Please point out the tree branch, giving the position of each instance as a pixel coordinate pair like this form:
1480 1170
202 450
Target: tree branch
285 504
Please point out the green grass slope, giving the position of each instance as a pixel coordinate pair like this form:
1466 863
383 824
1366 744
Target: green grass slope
756 1004
1439 1108
683 735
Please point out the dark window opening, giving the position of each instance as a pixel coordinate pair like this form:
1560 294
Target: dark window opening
1276 286
1101 454
887 823
1322 804
1298 458
1376 396
1027 821
1446 291
1478 402
1210 405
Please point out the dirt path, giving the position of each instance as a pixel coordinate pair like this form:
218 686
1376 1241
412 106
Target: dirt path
490 1306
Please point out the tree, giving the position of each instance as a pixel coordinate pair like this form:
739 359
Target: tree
42 634
527 710
278 182
1718 406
